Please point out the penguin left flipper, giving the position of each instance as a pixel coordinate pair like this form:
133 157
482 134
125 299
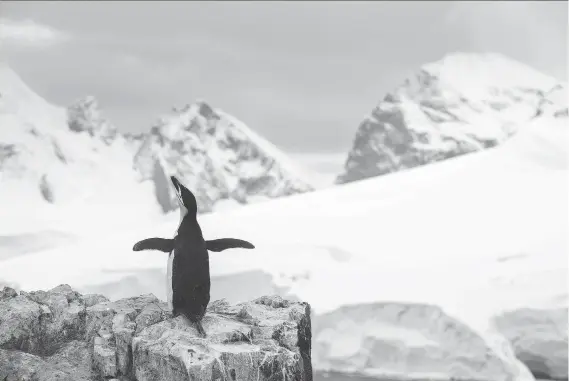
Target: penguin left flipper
227 243
161 244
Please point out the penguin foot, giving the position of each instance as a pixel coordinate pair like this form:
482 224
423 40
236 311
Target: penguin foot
201 331
198 326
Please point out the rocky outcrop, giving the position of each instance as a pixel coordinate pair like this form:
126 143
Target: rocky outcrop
63 335
84 115
539 339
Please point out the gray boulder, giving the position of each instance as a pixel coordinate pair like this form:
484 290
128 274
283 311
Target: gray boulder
62 335
539 339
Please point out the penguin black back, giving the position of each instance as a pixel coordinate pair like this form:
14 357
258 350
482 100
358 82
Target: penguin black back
188 263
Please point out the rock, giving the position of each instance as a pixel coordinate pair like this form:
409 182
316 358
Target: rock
539 338
84 115
62 335
69 364
409 342
7 293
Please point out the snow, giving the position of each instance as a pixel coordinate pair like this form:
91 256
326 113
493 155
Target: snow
476 235
18 99
473 73
293 169
77 172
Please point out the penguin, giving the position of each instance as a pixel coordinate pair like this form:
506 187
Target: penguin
188 280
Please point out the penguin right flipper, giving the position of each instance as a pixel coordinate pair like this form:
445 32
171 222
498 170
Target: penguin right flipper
161 244
227 243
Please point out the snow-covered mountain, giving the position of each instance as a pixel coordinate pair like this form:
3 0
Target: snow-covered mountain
60 162
54 159
217 156
463 103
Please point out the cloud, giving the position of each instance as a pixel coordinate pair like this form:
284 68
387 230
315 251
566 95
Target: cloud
29 33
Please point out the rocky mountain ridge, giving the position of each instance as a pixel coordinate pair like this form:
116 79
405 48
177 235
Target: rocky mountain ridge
59 156
217 156
460 104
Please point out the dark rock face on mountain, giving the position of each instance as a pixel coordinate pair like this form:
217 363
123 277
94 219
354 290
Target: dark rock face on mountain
62 335
460 104
85 116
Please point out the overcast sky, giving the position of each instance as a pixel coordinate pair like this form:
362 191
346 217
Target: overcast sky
303 74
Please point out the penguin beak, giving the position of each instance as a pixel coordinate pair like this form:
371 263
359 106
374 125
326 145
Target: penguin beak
178 188
186 198
175 182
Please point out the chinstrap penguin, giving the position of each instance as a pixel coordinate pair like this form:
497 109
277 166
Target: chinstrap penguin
188 280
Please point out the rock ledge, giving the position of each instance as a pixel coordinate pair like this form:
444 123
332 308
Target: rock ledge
62 335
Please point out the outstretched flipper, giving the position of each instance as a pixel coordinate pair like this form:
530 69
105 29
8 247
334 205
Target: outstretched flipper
162 244
227 243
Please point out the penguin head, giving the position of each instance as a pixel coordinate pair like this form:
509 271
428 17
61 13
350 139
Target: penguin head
186 199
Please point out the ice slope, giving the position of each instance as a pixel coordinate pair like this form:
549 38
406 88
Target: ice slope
462 240
61 165
462 103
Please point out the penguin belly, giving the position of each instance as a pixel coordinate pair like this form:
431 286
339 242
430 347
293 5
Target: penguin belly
169 285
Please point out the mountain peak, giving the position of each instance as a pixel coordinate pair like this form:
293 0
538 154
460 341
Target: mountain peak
461 103
205 110
218 157
468 71
17 100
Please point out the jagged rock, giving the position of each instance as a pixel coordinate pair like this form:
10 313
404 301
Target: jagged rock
84 115
539 338
62 335
71 363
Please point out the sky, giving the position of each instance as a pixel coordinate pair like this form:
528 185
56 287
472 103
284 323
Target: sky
302 74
